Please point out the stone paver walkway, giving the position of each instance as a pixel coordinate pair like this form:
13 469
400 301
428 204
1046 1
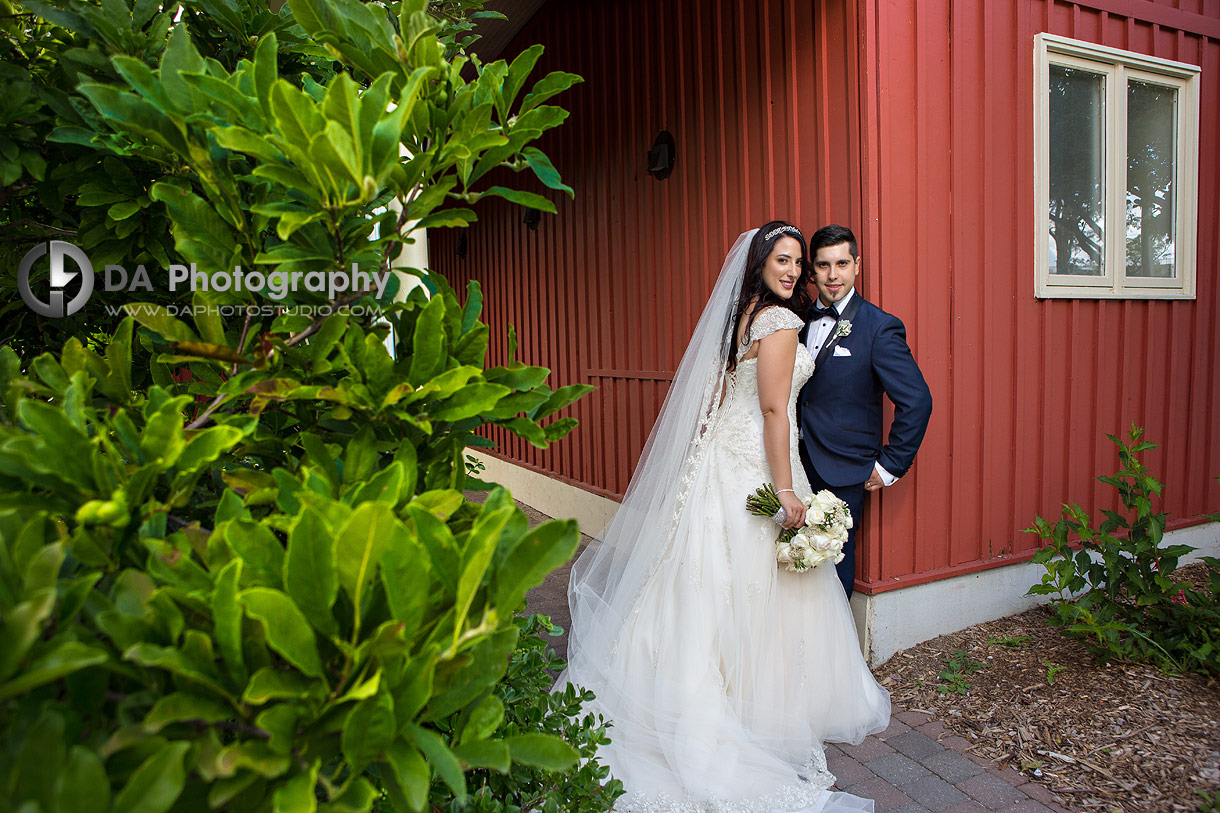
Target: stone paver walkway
914 766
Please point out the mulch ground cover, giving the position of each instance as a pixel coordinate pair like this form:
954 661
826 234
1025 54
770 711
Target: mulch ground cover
1123 737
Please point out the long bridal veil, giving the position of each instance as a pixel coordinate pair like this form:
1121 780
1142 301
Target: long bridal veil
610 573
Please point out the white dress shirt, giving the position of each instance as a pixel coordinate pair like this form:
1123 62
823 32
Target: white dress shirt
819 334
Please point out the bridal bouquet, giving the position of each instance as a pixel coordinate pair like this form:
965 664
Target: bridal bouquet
827 520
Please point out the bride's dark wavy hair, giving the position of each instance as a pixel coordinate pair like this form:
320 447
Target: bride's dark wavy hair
754 289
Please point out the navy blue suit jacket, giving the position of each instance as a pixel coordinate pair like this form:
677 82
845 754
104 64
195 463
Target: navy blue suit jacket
841 408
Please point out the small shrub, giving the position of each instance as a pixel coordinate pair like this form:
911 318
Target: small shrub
957 667
1131 607
530 710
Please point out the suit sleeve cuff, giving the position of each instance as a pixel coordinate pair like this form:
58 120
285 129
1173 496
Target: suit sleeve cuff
886 478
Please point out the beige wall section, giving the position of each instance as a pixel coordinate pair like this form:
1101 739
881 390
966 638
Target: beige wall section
551 497
410 255
889 622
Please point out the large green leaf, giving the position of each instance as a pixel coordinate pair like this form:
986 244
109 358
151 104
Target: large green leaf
406 576
550 85
518 72
485 754
42 753
483 720
179 663
542 751
261 552
180 57
83 786
447 766
181 706
360 456
297 794
545 170
543 549
163 440
157 783
309 569
408 775
522 198
64 659
461 681
469 401
67 446
368 730
288 633
207 445
158 319
428 348
269 684
22 626
227 619
362 540
481 545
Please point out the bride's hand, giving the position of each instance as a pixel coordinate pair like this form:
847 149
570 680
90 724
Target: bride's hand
794 510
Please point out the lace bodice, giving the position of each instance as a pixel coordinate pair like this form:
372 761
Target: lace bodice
767 322
739 423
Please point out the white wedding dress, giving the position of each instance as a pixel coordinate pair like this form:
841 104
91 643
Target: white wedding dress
722 673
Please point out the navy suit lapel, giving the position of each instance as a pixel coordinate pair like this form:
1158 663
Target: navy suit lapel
849 313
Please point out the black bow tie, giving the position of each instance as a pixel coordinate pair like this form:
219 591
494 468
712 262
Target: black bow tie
818 311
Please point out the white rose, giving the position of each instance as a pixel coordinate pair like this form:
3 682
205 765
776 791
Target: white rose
821 541
783 554
815 516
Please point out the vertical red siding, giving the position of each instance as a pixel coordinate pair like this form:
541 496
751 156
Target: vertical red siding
910 120
1024 388
608 291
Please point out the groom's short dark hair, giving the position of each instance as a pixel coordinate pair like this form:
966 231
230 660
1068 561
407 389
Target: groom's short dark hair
833 235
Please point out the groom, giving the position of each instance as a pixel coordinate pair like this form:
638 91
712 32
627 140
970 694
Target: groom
861 352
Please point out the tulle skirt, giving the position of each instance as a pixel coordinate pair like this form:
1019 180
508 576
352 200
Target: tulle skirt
722 673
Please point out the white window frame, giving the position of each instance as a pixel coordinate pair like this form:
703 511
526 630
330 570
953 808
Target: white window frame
1117 66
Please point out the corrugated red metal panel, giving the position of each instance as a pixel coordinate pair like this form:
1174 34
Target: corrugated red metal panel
912 121
1025 388
608 291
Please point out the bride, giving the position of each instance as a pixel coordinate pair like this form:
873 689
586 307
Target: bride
721 672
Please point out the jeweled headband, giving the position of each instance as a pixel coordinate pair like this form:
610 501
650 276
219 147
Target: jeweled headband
780 230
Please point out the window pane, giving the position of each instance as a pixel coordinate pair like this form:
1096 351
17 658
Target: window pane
1152 118
1076 243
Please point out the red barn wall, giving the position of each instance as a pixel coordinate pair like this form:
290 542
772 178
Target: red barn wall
910 120
1025 389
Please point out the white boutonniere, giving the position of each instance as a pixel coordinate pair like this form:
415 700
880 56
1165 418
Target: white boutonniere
842 329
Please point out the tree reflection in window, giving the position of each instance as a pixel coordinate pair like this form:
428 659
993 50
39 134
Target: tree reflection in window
1151 171
1077 171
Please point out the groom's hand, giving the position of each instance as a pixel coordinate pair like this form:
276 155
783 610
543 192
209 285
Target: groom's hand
875 483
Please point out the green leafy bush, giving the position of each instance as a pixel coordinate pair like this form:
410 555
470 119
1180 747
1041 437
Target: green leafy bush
528 709
236 568
1131 608
257 645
